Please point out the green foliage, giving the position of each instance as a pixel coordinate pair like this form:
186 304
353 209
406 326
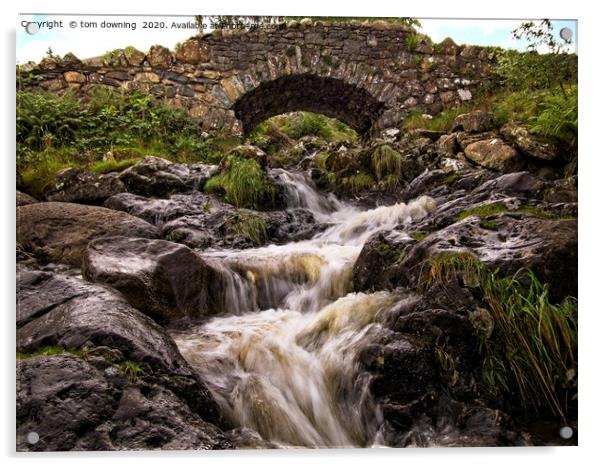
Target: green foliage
358 182
250 226
108 119
276 134
451 179
327 59
40 172
419 235
412 41
483 210
290 51
107 166
440 122
132 370
521 71
243 184
299 124
386 161
488 225
495 208
557 119
50 351
531 354
389 182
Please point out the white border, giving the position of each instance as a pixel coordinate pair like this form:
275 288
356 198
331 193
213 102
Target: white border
590 158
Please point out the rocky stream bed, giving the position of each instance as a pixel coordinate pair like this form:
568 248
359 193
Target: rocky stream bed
147 318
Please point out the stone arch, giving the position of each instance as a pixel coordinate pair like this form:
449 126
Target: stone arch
329 96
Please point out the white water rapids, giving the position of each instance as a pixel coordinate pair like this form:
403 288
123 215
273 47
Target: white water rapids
281 359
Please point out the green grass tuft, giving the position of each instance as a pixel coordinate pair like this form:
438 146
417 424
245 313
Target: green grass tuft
107 166
530 357
243 184
419 235
358 182
50 351
252 227
483 211
132 370
488 225
386 161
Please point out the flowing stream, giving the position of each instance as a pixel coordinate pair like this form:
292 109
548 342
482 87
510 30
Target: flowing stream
281 358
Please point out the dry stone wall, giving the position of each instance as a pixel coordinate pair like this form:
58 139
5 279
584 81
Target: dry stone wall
370 75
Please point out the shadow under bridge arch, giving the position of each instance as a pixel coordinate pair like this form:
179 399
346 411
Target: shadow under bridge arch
307 92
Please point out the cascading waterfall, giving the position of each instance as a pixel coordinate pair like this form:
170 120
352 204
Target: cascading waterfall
282 357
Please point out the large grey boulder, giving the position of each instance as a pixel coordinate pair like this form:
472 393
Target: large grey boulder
154 176
81 186
165 280
59 232
99 320
92 404
527 143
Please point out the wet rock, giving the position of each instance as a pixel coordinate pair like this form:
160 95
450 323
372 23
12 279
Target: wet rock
382 252
291 225
160 211
77 404
164 280
517 184
437 420
402 369
563 190
58 231
101 318
494 154
60 398
24 199
519 240
151 417
527 143
240 228
81 186
39 292
154 176
474 122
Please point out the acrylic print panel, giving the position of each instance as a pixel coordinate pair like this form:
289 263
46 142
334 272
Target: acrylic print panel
281 232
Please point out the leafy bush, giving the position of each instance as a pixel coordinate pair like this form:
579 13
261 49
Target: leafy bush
105 120
558 117
520 71
243 184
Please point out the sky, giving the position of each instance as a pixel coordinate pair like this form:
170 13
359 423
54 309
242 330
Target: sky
77 35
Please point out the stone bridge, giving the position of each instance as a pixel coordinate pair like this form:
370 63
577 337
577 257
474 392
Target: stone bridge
368 75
